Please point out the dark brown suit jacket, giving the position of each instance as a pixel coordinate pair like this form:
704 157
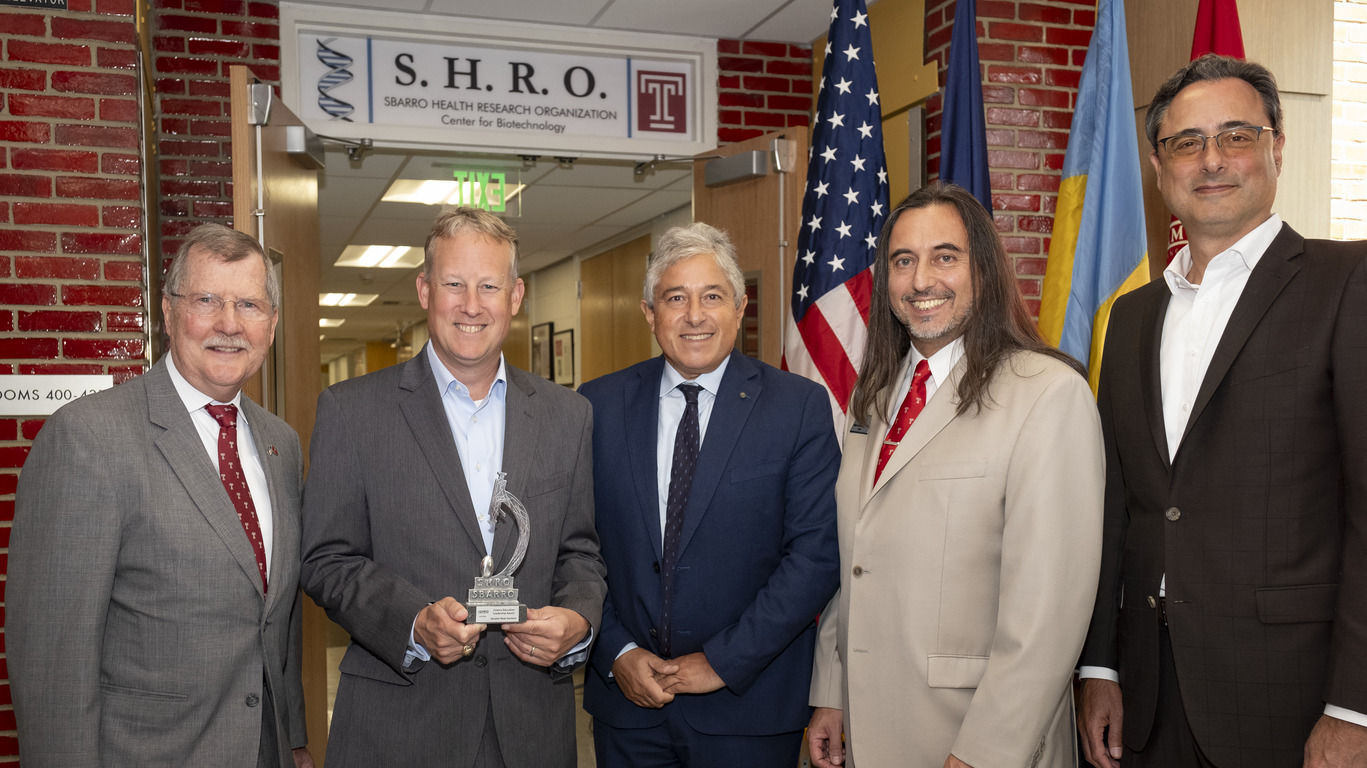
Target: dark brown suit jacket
1259 521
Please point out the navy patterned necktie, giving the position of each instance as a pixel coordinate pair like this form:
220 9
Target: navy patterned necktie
680 482
235 483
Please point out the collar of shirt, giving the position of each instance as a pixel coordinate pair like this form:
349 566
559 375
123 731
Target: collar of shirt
710 381
1241 257
941 365
477 429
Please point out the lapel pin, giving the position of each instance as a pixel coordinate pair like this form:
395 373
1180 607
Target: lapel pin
743 395
271 450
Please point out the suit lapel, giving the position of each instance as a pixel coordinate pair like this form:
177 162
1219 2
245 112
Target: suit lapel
937 414
642 396
1274 270
519 453
284 524
421 406
736 397
183 450
1150 375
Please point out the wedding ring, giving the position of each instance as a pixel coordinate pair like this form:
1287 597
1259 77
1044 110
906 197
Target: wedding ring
533 650
468 649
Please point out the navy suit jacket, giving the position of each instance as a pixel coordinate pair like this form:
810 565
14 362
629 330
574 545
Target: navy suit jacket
758 557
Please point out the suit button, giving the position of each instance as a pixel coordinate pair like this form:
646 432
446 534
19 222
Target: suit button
480 661
656 566
653 633
858 571
1173 514
253 700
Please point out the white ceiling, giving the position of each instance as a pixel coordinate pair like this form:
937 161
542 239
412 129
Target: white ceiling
565 209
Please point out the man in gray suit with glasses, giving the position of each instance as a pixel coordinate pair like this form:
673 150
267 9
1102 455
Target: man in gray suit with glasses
154 612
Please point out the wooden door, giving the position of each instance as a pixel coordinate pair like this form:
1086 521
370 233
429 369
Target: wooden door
613 332
275 199
762 215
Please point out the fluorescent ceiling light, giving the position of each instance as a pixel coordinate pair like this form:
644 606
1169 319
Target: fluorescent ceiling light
330 322
346 299
432 192
380 256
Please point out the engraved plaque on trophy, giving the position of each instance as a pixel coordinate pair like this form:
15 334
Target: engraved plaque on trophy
493 599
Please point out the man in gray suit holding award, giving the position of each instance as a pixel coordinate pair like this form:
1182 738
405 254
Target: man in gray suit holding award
414 468
153 600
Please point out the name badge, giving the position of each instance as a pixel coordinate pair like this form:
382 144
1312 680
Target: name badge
859 429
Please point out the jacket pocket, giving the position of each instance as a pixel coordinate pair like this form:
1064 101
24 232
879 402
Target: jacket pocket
1296 605
948 671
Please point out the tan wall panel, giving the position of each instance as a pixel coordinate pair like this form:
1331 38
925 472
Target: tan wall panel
631 335
595 316
517 347
379 354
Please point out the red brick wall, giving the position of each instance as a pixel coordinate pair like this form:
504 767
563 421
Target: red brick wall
194 43
761 87
71 289
1032 54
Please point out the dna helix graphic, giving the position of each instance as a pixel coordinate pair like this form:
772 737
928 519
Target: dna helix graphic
337 74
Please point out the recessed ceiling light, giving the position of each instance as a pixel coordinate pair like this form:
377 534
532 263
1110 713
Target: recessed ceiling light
330 322
346 299
380 256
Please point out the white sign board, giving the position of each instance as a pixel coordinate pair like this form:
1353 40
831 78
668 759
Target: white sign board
42 395
416 80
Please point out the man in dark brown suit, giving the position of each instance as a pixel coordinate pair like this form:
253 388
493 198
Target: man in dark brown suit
1231 618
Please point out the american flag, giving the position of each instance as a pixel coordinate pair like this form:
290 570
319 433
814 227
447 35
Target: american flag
842 212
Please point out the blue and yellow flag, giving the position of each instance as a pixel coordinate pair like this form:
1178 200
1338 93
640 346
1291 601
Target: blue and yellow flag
1098 250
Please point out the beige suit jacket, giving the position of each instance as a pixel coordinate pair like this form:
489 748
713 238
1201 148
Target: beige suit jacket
966 576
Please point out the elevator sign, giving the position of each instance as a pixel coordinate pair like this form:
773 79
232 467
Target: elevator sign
498 86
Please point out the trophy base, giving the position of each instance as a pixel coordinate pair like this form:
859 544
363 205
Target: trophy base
514 613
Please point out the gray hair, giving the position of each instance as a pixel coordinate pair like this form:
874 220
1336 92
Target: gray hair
1214 67
227 245
679 243
457 220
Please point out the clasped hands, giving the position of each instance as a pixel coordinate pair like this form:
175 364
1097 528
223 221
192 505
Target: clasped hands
652 682
546 635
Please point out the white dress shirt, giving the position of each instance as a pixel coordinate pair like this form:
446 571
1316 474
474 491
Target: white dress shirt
247 456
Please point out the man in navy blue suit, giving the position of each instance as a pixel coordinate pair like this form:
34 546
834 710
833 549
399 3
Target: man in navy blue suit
714 481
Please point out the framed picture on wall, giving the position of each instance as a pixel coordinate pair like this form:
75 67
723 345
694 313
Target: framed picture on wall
563 357
541 349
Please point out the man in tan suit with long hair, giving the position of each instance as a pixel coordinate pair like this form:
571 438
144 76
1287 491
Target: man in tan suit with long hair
969 515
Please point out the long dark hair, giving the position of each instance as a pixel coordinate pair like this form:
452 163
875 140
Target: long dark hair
997 327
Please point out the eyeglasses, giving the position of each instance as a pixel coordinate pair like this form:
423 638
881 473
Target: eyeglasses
208 305
1232 141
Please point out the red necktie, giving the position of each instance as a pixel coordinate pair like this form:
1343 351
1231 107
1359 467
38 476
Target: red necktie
230 472
911 408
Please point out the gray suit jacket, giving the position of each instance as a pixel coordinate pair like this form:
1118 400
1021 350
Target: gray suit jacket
137 630
389 527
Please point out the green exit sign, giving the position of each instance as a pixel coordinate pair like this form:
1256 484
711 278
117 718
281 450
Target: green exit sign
482 189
